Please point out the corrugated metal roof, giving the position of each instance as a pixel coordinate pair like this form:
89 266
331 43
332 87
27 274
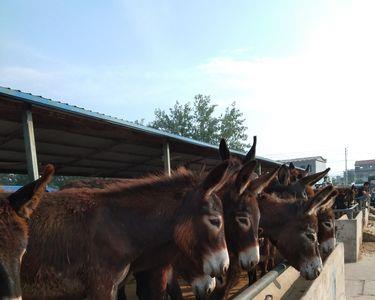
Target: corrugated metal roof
57 105
86 143
318 158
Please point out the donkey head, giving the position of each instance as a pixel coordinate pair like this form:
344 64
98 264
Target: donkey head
296 174
326 225
242 214
298 241
225 152
14 211
200 224
301 188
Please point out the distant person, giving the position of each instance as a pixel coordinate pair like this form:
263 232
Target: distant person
365 190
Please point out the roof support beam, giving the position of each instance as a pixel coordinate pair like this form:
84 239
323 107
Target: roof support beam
30 148
167 159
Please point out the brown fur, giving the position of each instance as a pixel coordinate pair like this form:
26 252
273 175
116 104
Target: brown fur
88 237
15 209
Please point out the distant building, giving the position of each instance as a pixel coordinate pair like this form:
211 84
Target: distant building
350 175
317 163
364 169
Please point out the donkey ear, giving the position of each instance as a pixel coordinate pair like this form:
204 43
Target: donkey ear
330 200
283 175
26 199
291 166
251 154
215 179
224 150
314 203
314 178
243 177
258 185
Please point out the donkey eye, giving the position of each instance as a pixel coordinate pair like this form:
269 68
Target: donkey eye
311 236
215 222
243 221
327 224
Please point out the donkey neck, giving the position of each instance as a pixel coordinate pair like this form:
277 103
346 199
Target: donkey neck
146 210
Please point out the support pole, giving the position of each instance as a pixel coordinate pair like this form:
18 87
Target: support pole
167 159
30 149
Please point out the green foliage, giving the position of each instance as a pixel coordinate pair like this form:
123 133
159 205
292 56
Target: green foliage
198 120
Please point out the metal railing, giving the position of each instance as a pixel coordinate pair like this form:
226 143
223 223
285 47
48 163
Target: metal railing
363 201
262 283
351 212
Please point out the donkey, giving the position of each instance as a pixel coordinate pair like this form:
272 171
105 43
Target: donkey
88 238
292 226
288 187
241 234
284 187
296 174
326 227
15 210
241 215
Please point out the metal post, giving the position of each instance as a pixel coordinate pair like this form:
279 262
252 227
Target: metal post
29 139
346 166
167 159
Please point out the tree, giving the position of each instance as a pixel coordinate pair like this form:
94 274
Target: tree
199 121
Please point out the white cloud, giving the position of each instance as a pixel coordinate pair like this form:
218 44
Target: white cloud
313 103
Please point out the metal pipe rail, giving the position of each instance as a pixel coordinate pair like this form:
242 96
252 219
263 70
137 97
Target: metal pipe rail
364 201
262 283
349 211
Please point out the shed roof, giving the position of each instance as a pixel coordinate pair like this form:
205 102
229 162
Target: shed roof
86 143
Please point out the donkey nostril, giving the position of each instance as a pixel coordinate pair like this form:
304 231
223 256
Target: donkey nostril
209 291
225 269
317 272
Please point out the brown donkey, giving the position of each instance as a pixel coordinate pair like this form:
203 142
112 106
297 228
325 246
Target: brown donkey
326 217
292 226
241 215
289 187
86 239
15 209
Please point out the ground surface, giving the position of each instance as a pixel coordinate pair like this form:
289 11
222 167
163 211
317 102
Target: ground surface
360 276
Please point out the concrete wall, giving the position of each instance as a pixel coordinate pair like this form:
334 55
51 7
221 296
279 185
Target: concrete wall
365 214
330 285
349 232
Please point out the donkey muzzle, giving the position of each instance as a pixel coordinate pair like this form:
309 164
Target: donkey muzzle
249 257
311 268
327 246
203 286
217 263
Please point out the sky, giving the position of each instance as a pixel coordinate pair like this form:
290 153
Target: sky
302 72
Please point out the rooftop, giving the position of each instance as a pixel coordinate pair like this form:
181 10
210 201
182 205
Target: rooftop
86 143
364 162
302 159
